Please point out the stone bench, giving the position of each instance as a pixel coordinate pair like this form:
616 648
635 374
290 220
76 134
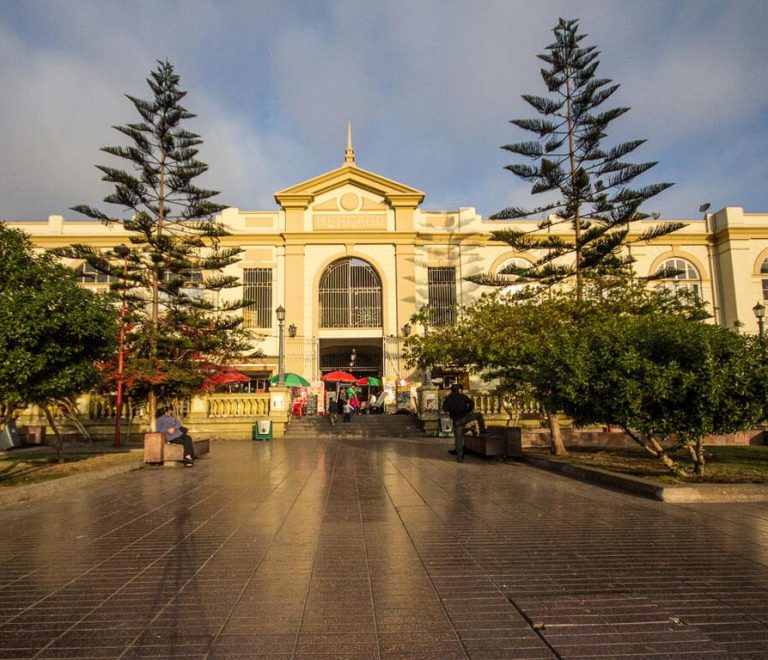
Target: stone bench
158 451
501 442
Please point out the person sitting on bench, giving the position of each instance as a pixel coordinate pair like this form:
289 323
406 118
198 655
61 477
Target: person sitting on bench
169 425
460 409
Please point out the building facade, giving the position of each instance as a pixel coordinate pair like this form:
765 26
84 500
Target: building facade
351 256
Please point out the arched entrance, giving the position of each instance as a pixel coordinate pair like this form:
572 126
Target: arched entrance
350 298
350 295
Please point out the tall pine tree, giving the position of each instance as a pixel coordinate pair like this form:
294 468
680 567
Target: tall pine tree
175 254
587 184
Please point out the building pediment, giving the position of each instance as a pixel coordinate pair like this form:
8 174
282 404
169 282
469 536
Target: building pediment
396 195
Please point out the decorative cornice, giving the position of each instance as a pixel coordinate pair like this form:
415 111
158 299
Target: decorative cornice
739 233
405 200
350 174
294 201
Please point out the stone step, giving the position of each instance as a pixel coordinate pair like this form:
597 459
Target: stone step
361 426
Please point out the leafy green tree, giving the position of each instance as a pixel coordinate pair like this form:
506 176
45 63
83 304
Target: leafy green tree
586 185
667 381
520 343
52 331
170 275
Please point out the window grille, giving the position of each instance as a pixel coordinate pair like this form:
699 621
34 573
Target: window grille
257 294
764 273
350 295
442 295
688 279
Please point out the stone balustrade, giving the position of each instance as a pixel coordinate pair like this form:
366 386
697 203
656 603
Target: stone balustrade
237 405
210 415
497 409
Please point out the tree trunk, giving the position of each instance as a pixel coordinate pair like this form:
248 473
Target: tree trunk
59 442
68 410
8 416
152 398
572 174
696 450
152 410
556 446
653 447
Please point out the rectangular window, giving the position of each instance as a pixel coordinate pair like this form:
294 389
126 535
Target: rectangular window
442 295
88 274
189 275
257 293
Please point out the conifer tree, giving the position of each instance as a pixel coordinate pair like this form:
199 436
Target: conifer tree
175 254
587 185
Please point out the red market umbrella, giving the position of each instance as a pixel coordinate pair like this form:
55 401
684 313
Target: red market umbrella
224 377
339 377
368 381
227 377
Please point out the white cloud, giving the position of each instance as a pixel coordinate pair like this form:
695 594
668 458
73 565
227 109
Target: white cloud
429 87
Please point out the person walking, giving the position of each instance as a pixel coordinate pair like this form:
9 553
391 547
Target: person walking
460 408
333 407
347 411
175 433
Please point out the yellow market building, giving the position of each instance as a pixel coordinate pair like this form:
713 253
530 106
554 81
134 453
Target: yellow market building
351 256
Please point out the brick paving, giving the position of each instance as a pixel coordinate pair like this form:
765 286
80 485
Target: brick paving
376 549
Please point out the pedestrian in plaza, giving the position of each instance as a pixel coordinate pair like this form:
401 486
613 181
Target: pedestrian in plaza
347 411
460 408
333 408
176 433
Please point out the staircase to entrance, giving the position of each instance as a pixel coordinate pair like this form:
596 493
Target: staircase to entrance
361 426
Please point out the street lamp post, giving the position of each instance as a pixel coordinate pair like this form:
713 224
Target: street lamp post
759 311
280 313
427 369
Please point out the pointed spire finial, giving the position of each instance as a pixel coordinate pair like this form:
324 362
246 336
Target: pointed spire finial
349 152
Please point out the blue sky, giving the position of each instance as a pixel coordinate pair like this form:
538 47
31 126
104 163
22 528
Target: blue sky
429 85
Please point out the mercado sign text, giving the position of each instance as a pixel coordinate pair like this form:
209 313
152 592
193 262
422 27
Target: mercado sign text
350 221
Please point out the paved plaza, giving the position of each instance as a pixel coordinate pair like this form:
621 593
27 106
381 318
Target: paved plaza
303 548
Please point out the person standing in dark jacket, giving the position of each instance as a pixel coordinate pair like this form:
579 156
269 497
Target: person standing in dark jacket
460 408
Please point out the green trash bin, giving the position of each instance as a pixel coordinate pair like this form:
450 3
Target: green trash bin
262 430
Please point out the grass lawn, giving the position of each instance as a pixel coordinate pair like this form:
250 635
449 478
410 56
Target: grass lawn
732 464
23 469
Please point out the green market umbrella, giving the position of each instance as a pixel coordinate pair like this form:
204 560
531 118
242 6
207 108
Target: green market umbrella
368 380
291 380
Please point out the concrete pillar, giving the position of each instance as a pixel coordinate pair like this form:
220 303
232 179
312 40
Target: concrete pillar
429 413
279 409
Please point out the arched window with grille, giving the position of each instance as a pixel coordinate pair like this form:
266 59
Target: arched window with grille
764 278
513 287
688 277
350 295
